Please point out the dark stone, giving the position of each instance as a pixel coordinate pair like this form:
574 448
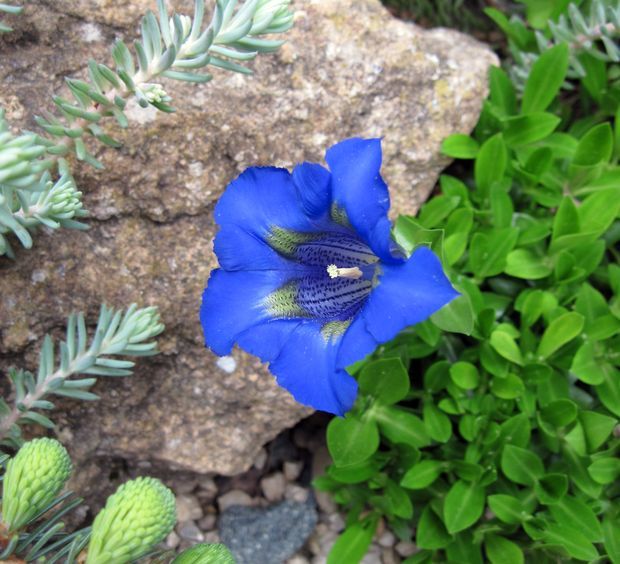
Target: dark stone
267 535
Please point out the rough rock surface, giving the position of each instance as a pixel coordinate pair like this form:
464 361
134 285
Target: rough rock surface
348 69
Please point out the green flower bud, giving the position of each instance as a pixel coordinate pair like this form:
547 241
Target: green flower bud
205 554
33 478
135 518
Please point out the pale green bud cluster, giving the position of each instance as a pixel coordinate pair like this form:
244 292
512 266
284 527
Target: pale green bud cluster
205 554
139 515
58 201
155 93
20 162
33 478
271 16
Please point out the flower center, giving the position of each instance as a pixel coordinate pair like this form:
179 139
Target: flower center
335 272
336 275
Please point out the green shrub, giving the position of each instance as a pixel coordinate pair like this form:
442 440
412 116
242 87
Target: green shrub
490 432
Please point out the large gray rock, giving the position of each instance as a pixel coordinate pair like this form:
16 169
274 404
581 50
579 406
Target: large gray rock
348 69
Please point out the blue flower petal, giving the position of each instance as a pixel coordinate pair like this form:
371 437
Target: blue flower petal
407 294
355 344
237 249
313 183
267 339
306 367
357 187
234 302
261 199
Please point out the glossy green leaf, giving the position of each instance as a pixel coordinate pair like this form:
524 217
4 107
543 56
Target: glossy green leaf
509 387
500 550
516 430
410 234
609 390
508 509
570 510
525 263
397 501
575 542
401 426
455 317
460 146
353 544
465 375
463 506
506 346
488 251
597 427
595 146
502 91
463 549
560 412
421 475
387 380
611 536
431 533
528 128
605 470
586 366
598 211
351 440
560 331
545 79
490 163
437 423
551 488
521 466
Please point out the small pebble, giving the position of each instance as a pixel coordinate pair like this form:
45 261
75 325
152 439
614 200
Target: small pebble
387 539
273 486
406 549
335 522
212 537
293 492
292 470
234 497
208 486
298 559
325 502
373 556
172 540
188 508
189 531
207 523
388 556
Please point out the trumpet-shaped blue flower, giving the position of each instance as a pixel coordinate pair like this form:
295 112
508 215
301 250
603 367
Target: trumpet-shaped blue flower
310 279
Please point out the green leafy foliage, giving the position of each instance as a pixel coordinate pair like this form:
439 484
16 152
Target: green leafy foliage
497 420
588 37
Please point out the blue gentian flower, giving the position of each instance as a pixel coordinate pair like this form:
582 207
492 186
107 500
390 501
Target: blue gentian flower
310 279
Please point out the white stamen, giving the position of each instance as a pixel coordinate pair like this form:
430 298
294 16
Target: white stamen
335 272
